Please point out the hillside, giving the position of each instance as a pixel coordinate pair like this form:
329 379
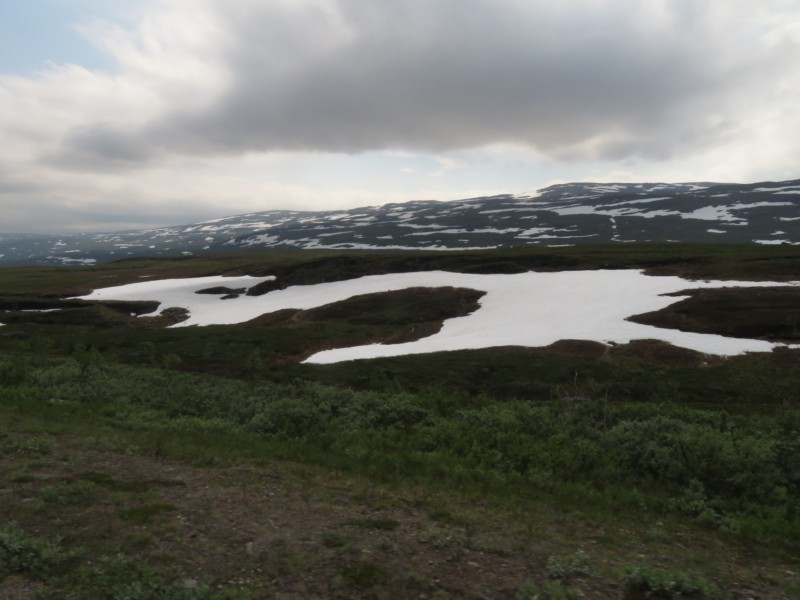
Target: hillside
146 458
560 215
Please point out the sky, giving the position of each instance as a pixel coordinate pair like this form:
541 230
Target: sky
134 114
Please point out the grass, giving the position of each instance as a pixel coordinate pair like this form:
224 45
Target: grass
313 266
438 454
140 515
730 471
357 559
767 313
655 583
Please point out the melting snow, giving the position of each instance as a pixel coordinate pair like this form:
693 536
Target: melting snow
504 210
65 260
645 200
535 231
614 212
526 195
777 189
760 204
712 213
259 239
415 226
449 231
526 309
436 232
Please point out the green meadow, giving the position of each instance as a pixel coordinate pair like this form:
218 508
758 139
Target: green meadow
144 462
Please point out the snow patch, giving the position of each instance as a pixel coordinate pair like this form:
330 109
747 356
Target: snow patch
711 213
525 309
776 189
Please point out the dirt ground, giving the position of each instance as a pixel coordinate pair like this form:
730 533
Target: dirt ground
294 532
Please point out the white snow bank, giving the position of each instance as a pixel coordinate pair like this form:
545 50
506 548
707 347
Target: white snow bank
204 309
526 309
775 242
712 213
538 309
774 189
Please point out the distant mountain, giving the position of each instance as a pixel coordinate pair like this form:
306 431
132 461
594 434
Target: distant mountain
565 214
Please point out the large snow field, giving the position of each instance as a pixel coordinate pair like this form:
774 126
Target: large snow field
526 309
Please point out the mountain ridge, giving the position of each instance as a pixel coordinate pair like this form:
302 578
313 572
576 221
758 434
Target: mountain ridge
558 215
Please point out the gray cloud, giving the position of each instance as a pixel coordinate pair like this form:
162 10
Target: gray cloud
100 146
217 107
577 80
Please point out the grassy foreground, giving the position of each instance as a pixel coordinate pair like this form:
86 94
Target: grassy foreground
140 462
120 482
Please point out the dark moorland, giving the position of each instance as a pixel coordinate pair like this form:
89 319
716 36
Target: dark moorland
141 462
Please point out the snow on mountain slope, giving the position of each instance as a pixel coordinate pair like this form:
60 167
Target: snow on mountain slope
564 214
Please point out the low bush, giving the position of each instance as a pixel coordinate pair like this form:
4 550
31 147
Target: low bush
736 472
120 578
551 591
25 555
658 584
567 567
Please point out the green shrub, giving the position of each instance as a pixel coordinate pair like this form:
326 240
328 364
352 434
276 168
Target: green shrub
439 537
70 492
335 539
566 567
361 575
141 515
551 591
676 452
120 578
14 372
28 447
158 589
379 524
736 472
664 585
22 554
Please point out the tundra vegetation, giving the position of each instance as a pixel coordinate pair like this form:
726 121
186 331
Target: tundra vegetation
145 462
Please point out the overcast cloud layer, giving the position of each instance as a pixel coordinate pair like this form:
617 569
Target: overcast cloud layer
219 107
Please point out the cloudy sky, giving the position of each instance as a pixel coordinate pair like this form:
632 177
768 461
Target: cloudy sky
135 113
